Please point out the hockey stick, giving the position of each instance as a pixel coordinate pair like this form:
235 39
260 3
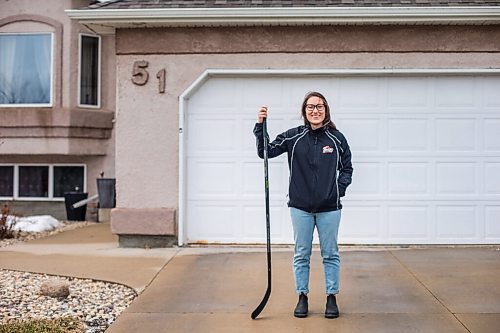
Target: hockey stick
263 303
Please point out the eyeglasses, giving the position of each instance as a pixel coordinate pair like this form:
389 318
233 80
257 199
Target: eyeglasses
319 107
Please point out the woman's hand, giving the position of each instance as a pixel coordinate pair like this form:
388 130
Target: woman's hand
262 113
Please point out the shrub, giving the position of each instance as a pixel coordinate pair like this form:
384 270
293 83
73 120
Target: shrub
6 226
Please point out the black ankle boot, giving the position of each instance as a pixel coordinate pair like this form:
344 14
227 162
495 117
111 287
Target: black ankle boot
332 310
302 307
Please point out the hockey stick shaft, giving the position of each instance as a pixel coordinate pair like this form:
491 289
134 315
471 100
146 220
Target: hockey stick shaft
263 303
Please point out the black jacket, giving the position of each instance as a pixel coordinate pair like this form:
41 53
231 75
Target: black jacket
314 157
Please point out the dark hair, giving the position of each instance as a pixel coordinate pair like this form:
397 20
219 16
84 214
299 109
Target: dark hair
328 119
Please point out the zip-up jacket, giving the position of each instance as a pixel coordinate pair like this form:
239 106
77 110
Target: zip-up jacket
319 162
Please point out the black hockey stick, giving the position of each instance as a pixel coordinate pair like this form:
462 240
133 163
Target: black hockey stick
263 303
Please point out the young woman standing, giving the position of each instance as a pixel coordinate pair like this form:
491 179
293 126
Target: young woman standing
319 160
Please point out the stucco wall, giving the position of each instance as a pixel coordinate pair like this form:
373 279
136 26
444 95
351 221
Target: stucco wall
310 39
147 123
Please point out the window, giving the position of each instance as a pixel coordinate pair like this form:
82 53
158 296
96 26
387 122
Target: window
34 181
26 69
67 179
6 181
89 90
41 182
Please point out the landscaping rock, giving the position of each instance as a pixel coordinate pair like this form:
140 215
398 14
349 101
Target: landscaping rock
55 288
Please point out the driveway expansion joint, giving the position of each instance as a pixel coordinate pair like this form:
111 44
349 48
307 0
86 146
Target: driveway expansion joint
414 275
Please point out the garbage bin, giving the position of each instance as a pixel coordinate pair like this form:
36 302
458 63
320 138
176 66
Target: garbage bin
75 214
106 191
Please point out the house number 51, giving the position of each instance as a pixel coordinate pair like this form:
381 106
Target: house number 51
140 75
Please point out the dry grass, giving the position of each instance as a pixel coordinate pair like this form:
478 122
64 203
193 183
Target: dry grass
58 325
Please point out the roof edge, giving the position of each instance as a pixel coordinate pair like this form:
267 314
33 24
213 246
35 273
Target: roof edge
129 18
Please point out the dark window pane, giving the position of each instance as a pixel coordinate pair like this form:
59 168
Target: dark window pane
33 181
89 71
6 181
25 70
67 179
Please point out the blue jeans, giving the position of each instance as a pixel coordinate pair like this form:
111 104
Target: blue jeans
303 228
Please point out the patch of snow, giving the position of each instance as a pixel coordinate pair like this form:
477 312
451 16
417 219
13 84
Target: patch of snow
37 223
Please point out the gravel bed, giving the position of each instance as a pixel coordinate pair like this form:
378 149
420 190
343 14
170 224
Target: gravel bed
97 304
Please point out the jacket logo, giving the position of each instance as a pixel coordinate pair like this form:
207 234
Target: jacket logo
327 150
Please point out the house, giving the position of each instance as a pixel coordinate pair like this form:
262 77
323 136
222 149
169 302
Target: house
413 84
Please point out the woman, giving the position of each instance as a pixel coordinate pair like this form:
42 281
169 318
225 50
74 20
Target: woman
319 160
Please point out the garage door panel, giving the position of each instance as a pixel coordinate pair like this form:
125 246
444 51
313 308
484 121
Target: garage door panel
491 178
456 178
215 222
491 96
408 178
457 93
209 178
405 93
456 222
213 111
257 92
364 134
492 134
368 179
492 222
408 134
220 131
408 222
361 222
456 134
359 93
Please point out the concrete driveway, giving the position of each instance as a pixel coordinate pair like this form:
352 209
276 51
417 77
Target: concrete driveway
382 290
214 289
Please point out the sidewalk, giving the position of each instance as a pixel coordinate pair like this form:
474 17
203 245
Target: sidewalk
214 289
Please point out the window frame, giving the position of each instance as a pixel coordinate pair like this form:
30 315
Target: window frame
50 196
79 88
52 74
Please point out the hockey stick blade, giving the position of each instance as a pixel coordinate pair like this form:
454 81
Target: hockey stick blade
262 304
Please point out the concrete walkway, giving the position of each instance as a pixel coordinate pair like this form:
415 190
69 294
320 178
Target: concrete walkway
214 289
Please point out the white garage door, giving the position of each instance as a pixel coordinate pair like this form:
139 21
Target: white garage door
426 157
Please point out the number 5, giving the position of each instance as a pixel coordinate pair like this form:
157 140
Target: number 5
140 76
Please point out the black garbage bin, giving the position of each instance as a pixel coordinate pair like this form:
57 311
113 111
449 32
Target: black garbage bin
75 214
106 191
